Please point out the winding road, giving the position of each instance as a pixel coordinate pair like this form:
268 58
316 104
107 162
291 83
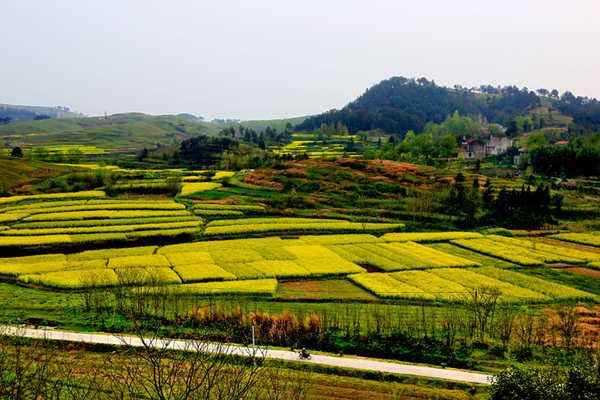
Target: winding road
358 363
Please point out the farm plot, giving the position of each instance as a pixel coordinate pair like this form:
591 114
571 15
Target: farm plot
250 226
399 256
509 253
481 259
429 236
452 285
442 289
473 280
189 188
385 286
192 262
92 194
591 238
212 210
83 222
256 287
550 289
550 254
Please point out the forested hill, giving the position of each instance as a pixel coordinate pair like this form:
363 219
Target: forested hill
398 104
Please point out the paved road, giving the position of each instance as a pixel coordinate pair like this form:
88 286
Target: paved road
343 362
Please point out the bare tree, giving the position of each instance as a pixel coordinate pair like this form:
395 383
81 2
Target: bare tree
40 369
505 324
567 325
481 305
166 369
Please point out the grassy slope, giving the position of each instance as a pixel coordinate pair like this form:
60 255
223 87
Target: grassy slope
282 379
19 172
116 131
277 124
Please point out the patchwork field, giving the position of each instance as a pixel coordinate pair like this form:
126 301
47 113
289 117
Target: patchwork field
385 270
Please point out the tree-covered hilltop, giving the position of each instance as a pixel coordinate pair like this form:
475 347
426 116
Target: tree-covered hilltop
398 104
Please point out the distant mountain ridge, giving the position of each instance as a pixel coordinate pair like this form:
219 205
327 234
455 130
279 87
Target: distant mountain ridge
399 104
14 112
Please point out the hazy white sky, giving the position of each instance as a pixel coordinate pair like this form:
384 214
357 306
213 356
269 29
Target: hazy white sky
274 58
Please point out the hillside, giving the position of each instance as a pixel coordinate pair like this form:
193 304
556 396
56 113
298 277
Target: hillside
12 112
119 131
278 124
19 173
398 104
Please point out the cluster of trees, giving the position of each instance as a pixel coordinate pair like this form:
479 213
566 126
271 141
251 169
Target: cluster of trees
267 137
328 130
523 208
584 110
398 104
205 150
435 141
578 158
578 381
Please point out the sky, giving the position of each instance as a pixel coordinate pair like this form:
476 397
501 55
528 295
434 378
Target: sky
259 59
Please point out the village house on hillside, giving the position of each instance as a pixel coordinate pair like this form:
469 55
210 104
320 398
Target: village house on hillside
483 147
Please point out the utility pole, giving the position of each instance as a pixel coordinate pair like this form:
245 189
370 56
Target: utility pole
253 345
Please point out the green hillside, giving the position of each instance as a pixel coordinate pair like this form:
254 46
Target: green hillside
20 173
119 131
278 124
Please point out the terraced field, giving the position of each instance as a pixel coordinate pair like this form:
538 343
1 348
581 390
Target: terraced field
261 226
70 219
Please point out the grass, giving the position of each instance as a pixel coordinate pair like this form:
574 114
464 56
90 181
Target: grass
18 172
